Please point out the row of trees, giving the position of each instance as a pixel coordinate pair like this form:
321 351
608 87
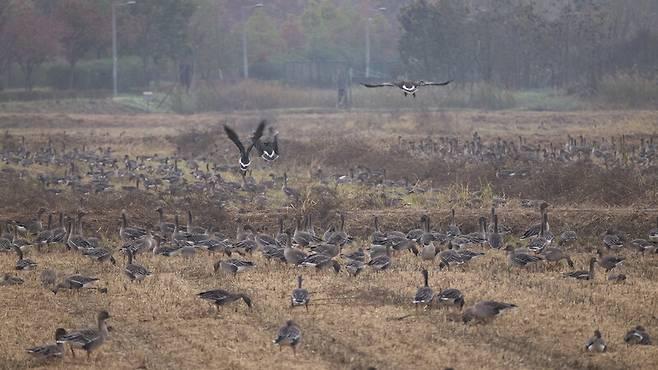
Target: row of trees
523 44
515 43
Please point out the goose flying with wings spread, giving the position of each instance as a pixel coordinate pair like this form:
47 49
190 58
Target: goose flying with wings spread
408 87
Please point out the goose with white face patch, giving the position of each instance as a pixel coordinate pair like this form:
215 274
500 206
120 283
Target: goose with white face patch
408 87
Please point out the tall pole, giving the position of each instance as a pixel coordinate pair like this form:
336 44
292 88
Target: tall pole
245 61
368 47
114 50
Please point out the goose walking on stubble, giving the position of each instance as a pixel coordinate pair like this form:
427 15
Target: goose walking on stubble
133 271
583 274
450 297
23 263
288 335
75 282
300 296
50 351
609 262
221 297
484 312
424 294
520 259
88 339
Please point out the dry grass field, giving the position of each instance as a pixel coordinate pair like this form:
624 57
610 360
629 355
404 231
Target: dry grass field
359 322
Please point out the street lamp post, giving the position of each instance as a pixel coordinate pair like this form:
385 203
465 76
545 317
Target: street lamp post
114 45
243 19
368 24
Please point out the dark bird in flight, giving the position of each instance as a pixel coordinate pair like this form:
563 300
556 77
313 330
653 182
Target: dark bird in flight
268 146
245 161
408 87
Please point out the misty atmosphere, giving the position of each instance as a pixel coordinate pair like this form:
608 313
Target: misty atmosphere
329 184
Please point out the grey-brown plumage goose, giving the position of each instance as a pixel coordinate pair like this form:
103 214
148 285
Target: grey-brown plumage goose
582 274
536 228
289 335
129 233
232 266
88 339
638 335
292 255
485 311
424 294
653 233
221 297
519 259
300 296
135 271
7 279
23 263
75 282
596 343
450 297
609 262
555 255
495 239
50 351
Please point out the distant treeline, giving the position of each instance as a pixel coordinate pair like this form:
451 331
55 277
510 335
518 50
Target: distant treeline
515 44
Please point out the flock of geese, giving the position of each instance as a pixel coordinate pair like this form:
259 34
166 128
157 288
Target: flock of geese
304 248
611 152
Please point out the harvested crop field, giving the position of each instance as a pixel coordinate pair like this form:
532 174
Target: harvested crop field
597 171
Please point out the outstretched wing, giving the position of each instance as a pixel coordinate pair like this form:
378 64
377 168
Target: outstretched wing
234 138
255 139
436 83
380 85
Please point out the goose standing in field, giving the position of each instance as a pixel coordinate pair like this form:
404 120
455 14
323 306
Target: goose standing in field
638 335
520 259
495 239
232 266
75 282
408 87
555 255
50 351
290 193
538 243
293 255
267 147
245 160
135 271
300 296
45 235
320 261
129 233
100 255
582 274
424 294
33 226
88 339
609 262
485 311
453 229
304 238
381 262
166 228
596 343
23 263
221 297
567 237
289 335
450 297
354 267
7 279
536 228
48 277
612 240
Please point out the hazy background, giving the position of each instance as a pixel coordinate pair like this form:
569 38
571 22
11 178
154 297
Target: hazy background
541 54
